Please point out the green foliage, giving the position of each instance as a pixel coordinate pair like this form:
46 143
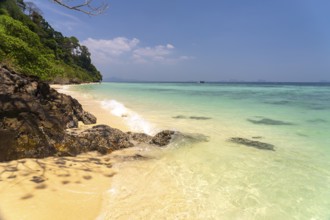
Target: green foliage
3 11
30 44
17 29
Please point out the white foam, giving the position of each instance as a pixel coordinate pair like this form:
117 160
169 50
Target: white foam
61 88
116 108
135 121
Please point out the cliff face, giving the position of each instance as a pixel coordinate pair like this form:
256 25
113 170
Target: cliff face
34 119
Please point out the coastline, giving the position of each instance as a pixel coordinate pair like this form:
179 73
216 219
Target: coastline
93 106
59 187
190 180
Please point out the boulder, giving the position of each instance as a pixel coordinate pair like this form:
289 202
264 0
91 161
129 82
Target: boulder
163 138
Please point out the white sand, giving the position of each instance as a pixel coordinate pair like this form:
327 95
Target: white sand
58 188
54 188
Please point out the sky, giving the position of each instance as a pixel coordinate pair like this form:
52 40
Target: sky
209 40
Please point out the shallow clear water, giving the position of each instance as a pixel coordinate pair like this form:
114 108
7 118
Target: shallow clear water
219 179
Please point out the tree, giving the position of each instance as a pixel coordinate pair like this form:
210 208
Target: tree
30 45
84 6
32 8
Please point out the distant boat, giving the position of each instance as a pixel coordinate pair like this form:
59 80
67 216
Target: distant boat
201 81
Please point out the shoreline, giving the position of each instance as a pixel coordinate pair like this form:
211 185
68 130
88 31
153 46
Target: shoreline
93 106
60 187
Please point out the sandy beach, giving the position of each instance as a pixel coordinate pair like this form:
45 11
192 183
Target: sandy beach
58 188
54 188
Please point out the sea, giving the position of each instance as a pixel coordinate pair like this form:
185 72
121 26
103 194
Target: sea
205 173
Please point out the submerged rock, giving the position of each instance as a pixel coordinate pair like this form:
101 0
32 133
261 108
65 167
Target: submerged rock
199 118
179 117
166 137
282 102
188 138
133 157
267 121
139 137
191 117
250 143
317 120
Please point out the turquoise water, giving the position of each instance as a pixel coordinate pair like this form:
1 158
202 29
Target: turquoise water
219 179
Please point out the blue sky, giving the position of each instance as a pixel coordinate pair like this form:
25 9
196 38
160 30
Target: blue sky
211 40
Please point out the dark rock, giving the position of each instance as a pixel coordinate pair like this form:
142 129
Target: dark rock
278 102
139 137
267 121
162 138
34 119
191 117
317 120
87 118
318 107
166 137
37 179
104 139
302 135
199 118
250 143
133 157
179 117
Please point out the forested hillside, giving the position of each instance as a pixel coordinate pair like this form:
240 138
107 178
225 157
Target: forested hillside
30 45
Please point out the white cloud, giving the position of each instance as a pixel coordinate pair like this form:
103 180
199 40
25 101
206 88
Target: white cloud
158 53
105 51
124 50
170 46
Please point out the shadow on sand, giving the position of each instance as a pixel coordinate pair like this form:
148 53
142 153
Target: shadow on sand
65 170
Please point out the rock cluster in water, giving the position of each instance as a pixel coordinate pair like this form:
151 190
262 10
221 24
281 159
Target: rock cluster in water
34 119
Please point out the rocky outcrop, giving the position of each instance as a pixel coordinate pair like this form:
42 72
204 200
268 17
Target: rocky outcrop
101 138
34 119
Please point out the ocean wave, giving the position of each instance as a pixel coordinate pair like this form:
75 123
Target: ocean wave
135 121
